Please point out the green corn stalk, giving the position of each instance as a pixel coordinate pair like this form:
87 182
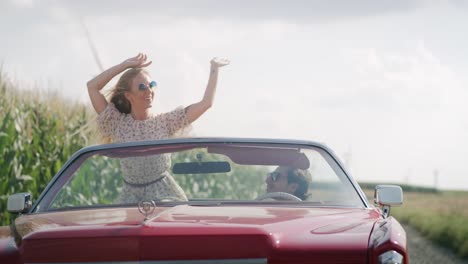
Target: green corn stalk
37 136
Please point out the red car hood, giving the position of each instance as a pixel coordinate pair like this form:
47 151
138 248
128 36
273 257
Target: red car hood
332 235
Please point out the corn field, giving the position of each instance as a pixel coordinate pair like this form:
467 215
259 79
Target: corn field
37 136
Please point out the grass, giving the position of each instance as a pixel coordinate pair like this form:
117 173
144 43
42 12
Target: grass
440 216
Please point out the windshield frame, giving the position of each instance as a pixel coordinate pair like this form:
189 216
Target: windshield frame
168 145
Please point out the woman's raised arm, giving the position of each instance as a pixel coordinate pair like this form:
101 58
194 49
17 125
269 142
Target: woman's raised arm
194 111
95 85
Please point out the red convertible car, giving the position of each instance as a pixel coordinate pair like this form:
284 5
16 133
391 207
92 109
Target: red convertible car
204 200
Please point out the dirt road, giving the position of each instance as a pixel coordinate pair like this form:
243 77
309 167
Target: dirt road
424 252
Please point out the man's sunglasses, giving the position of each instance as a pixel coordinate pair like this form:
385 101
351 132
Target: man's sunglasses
274 175
144 87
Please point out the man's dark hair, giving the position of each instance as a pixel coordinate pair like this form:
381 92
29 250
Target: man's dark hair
302 178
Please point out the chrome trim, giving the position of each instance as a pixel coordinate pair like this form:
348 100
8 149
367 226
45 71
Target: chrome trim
19 202
386 196
146 208
391 256
207 261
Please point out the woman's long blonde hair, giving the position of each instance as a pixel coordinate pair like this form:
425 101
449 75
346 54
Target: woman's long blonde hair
124 85
117 95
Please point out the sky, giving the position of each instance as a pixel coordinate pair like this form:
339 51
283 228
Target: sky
382 83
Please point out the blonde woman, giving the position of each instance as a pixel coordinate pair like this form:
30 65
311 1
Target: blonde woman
128 117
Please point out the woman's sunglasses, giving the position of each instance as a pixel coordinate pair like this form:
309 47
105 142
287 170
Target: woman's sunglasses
274 175
144 87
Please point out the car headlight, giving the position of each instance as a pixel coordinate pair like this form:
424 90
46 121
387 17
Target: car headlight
390 257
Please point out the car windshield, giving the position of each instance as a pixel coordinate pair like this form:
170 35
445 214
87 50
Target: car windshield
219 173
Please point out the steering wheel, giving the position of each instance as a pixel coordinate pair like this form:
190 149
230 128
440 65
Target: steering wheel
279 196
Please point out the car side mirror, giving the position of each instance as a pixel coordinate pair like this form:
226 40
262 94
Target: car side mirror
386 196
19 203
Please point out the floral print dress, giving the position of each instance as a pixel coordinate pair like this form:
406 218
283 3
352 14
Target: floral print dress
145 178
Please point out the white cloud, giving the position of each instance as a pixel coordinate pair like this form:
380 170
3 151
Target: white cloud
23 3
423 123
413 80
62 14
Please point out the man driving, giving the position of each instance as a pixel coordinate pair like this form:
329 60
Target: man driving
288 180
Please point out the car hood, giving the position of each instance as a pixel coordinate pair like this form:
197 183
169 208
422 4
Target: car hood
200 232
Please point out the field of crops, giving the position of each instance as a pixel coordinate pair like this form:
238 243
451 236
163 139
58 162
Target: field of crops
37 135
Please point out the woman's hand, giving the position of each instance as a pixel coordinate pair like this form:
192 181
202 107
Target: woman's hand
97 83
219 62
194 111
139 61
